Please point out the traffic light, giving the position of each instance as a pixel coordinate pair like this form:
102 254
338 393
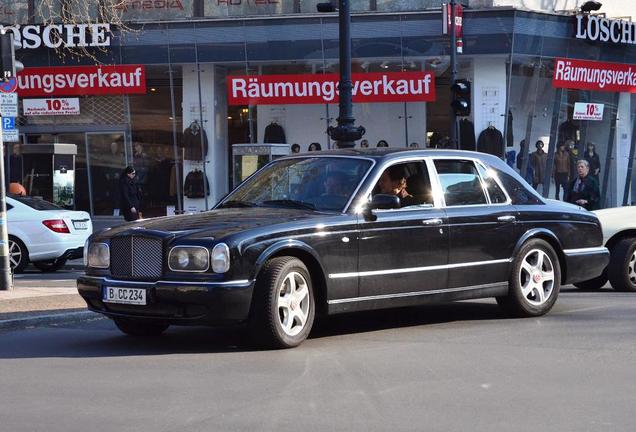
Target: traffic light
461 97
9 65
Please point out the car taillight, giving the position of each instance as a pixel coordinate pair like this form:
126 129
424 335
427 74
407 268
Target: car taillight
57 225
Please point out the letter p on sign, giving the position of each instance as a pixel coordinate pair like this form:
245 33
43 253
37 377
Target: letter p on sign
8 123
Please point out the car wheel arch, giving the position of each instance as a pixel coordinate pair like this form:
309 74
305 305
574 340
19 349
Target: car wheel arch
309 257
620 236
551 239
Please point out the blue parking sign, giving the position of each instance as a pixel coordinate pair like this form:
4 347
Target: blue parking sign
8 123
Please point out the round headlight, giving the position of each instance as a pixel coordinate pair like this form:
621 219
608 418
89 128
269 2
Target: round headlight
182 258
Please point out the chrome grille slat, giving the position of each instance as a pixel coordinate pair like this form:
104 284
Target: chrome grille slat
136 257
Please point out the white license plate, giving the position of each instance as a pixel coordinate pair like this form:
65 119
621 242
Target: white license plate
80 225
136 296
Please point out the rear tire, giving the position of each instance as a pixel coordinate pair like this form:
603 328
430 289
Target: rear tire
535 281
50 266
593 284
140 328
18 255
622 267
283 307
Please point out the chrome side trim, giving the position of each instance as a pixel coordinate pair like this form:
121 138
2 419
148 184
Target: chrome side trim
586 251
416 269
106 280
414 294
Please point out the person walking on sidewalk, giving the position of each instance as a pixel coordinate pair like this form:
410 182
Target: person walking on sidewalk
561 170
130 194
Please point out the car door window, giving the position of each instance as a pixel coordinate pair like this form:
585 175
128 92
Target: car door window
460 182
409 181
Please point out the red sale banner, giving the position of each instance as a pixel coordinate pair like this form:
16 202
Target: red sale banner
82 80
592 75
323 88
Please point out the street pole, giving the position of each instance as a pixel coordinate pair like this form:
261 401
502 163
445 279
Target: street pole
345 134
453 66
6 281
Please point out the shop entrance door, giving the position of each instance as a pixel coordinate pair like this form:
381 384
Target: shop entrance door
106 155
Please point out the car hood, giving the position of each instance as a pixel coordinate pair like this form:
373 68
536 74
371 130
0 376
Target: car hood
216 223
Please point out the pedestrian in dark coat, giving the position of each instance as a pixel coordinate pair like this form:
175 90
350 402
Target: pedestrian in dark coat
129 194
593 159
583 189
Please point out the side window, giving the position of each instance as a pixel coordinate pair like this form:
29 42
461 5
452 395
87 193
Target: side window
460 182
519 194
409 181
497 195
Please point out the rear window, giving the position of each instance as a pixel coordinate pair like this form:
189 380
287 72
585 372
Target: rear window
36 203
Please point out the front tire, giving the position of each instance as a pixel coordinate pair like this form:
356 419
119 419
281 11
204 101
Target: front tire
140 328
534 282
622 267
18 255
283 307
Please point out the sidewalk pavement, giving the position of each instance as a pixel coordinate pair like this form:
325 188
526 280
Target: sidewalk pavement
41 302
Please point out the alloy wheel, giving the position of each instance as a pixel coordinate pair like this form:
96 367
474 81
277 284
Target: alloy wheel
536 277
15 254
293 303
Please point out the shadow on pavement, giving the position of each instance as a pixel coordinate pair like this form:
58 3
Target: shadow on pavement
100 337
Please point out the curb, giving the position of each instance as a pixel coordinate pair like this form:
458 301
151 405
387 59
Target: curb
50 319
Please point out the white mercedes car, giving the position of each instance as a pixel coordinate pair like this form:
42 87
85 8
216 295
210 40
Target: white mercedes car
619 236
44 234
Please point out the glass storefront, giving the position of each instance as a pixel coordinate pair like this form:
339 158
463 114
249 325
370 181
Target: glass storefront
179 131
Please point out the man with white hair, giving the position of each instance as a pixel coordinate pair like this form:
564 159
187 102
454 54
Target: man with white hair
584 189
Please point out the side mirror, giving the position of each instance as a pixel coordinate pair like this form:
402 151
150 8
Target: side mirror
384 202
381 202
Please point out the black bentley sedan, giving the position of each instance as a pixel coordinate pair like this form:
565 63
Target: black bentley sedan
342 231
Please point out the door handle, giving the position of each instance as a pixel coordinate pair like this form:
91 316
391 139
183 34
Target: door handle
434 221
507 218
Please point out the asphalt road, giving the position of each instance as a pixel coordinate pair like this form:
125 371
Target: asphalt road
457 367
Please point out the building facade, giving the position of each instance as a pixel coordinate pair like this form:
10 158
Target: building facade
190 79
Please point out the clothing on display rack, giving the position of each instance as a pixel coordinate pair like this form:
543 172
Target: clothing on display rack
274 134
193 186
466 135
491 141
510 141
511 156
192 137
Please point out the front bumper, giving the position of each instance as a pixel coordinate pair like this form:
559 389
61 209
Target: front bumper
585 264
174 302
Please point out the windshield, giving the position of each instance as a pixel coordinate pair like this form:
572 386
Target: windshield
316 183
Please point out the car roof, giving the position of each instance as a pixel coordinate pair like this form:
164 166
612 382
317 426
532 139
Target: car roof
384 153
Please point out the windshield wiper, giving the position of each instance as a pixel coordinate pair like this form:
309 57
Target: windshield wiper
291 203
237 203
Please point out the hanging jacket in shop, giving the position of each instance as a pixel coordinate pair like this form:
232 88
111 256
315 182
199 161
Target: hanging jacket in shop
193 186
274 134
192 137
466 135
510 141
491 141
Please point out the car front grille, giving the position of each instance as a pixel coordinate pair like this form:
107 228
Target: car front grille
136 257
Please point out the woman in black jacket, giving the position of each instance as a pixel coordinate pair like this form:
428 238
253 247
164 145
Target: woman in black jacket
583 189
129 194
593 159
